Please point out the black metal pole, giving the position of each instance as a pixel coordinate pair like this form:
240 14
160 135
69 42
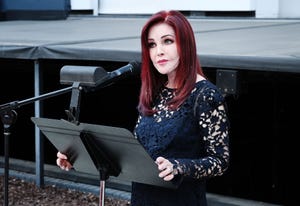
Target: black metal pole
8 118
17 104
6 166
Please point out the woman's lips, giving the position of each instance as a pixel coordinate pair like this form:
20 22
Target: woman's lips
162 61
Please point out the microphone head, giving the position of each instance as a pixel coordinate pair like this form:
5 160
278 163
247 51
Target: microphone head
136 67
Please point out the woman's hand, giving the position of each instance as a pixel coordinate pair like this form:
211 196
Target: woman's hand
62 161
166 169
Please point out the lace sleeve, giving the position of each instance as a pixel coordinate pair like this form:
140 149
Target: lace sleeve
214 124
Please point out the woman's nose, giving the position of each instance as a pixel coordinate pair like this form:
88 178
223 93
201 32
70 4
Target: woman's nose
159 50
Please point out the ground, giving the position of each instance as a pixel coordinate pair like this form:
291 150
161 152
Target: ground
21 193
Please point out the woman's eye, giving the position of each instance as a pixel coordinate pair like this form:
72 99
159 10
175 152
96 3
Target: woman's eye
168 41
151 44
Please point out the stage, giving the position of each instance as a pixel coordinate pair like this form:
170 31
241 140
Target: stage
252 44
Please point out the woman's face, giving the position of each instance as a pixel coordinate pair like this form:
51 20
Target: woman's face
163 49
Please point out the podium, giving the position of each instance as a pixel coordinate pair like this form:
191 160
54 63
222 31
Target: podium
102 150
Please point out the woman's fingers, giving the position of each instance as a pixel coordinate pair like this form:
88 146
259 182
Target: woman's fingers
166 168
167 174
61 155
62 161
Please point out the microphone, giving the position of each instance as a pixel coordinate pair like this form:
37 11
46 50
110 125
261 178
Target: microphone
131 69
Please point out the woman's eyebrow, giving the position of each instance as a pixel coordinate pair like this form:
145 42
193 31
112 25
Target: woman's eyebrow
167 35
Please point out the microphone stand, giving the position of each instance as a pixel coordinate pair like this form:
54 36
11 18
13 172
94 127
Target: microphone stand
87 76
8 116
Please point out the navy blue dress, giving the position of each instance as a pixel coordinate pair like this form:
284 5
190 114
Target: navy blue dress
194 138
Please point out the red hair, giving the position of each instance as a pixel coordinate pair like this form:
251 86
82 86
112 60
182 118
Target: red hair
187 70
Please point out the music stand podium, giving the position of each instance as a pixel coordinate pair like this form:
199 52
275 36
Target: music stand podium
102 150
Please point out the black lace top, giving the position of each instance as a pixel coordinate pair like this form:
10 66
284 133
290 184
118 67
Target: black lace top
194 138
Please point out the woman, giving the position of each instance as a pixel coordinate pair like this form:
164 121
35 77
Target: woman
182 120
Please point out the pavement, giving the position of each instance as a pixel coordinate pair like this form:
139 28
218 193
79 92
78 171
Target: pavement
86 183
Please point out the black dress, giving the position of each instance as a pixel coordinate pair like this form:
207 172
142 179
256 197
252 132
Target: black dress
194 138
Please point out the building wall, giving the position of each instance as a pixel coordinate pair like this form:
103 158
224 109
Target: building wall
289 9
148 7
263 9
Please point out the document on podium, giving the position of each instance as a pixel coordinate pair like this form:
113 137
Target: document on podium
90 148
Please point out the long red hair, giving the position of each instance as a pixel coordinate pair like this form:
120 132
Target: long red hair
187 70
